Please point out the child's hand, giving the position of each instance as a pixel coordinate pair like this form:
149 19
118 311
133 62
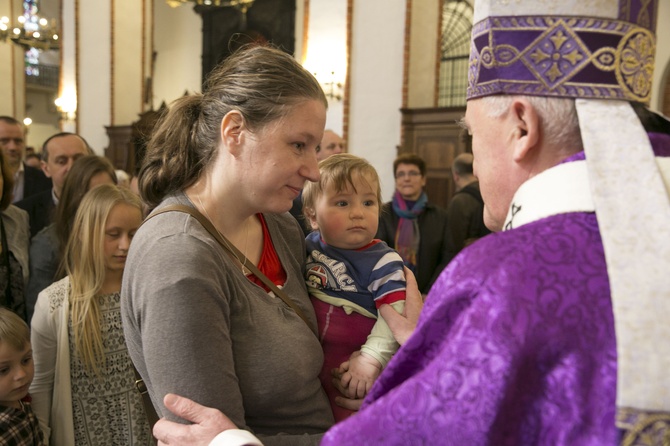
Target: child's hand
363 370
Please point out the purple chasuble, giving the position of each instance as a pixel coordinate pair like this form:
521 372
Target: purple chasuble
515 346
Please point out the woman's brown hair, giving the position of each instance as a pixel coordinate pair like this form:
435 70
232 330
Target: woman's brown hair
260 82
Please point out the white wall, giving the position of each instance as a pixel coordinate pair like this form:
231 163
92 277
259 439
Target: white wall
94 73
38 133
376 84
325 54
178 42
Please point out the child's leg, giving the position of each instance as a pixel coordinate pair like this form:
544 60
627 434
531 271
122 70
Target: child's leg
340 335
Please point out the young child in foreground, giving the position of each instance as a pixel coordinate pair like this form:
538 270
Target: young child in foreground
18 423
350 274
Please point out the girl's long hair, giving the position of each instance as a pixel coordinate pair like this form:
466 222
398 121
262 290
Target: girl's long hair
85 264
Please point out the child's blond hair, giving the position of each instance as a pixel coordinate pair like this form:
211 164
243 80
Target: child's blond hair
13 330
85 264
338 171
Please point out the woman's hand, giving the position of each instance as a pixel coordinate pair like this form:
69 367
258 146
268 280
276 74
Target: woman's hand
402 325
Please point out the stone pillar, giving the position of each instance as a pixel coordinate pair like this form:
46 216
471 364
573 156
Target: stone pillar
12 78
107 47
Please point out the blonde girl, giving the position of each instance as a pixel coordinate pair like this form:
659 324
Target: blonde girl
83 390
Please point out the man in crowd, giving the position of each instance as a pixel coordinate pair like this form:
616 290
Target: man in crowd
553 330
465 212
58 154
331 144
27 180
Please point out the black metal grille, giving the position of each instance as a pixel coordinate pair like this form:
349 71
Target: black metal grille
456 30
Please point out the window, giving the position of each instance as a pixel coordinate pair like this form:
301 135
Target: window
455 52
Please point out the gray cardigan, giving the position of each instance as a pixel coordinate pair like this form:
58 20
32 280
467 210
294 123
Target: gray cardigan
18 236
196 326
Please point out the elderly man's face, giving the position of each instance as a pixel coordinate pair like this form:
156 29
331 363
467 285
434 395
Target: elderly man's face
493 163
331 144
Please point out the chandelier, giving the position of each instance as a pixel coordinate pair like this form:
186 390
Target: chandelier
242 5
34 33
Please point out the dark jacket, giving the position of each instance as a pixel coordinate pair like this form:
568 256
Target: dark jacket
433 252
34 181
45 257
466 218
296 211
40 208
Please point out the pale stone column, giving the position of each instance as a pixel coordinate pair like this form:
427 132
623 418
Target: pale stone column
12 78
106 59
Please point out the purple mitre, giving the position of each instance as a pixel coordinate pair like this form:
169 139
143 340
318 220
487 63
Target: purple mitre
604 53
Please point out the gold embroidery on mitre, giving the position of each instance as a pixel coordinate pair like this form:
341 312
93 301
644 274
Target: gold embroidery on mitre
643 428
635 64
558 54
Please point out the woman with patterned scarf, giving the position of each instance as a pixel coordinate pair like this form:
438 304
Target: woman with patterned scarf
413 226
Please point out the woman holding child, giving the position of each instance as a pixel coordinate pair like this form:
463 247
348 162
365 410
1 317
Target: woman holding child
197 321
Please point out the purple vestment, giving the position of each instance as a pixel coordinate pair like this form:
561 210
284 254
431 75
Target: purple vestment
515 346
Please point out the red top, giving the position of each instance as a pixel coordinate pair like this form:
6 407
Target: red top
269 263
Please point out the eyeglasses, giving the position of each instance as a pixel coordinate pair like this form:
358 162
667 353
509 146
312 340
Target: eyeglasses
411 174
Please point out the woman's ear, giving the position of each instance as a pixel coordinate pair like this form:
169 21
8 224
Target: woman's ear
525 128
232 125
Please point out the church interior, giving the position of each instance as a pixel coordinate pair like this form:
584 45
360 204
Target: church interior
394 72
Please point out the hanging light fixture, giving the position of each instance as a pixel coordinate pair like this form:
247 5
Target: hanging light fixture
242 5
35 33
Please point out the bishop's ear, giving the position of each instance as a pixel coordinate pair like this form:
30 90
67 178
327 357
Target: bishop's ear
525 127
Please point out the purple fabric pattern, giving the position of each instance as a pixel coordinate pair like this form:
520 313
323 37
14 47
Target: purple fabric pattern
563 57
660 142
641 12
515 346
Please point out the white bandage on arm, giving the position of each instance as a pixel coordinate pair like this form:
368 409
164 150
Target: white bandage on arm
235 437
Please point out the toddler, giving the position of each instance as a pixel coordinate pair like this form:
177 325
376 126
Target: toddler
350 274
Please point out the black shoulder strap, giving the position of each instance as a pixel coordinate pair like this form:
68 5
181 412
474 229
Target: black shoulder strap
149 410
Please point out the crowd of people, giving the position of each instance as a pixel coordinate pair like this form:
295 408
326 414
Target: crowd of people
352 321
65 374
82 359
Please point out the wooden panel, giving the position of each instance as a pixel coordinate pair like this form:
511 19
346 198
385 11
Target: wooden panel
120 150
127 143
434 135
